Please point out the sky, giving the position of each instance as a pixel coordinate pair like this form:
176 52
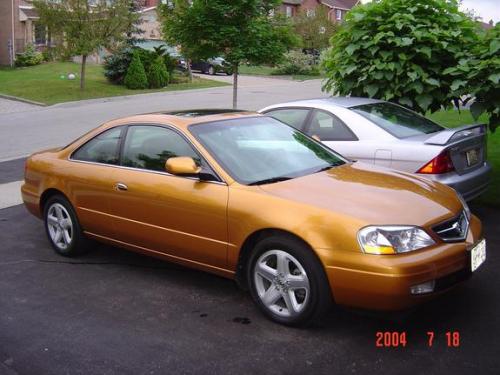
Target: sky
486 9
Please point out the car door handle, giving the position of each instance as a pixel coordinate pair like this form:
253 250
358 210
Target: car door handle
121 186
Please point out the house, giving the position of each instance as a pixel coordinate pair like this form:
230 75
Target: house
19 27
337 9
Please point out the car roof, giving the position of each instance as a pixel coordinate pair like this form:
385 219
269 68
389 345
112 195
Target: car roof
183 119
335 101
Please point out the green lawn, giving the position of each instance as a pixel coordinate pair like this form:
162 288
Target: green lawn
452 118
43 83
262 70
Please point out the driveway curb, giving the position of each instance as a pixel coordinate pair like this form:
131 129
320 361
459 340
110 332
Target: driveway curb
17 99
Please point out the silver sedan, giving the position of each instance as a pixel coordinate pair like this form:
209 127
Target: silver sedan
386 134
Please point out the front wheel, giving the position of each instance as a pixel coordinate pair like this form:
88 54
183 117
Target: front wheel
288 282
62 227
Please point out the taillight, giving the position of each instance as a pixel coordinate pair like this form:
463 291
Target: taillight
440 164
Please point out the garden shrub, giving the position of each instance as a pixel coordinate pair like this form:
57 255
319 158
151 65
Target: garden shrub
29 57
478 77
399 50
296 62
157 74
136 75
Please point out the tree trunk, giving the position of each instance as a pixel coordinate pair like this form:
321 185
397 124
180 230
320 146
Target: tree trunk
190 72
82 73
235 86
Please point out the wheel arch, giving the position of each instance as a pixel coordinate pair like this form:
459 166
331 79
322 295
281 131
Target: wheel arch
249 244
47 194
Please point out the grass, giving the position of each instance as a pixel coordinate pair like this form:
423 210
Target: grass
43 83
453 118
263 70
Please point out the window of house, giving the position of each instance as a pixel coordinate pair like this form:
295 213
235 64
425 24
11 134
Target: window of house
40 33
338 14
289 11
310 13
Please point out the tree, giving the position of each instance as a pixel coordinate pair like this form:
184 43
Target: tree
478 77
398 50
315 29
239 30
157 74
136 74
85 27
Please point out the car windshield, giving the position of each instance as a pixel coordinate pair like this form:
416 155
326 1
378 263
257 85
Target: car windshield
396 120
260 150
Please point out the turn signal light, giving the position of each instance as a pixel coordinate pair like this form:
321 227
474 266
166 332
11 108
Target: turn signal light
440 164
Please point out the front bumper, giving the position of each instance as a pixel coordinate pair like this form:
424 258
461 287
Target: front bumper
469 185
383 282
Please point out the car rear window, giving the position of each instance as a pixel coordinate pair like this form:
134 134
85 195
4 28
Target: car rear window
398 121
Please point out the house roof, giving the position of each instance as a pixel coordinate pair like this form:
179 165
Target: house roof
30 13
292 2
341 4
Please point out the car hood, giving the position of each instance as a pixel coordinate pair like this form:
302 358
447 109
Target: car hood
373 195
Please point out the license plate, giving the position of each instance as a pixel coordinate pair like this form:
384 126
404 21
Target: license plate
478 255
472 157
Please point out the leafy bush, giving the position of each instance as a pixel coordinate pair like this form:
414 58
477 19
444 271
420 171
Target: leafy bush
296 62
478 77
29 57
398 50
116 65
136 75
157 74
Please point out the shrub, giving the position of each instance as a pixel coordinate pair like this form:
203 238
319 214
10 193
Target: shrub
296 62
29 57
157 74
116 65
136 75
397 50
478 77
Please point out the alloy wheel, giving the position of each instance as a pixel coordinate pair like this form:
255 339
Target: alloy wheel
60 226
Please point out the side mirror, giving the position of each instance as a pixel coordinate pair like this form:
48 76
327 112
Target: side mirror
316 138
182 165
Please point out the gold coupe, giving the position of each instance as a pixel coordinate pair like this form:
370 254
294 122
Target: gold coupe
247 197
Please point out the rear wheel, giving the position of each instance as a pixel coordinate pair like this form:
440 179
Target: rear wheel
62 227
288 282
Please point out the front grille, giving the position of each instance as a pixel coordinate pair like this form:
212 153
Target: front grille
454 229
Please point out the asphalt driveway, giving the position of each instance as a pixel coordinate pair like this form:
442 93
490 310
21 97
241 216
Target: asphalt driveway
115 312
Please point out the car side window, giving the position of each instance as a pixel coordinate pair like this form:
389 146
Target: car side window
292 116
103 148
149 147
329 128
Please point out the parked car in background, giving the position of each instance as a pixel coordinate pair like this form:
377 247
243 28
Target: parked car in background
389 135
212 66
250 198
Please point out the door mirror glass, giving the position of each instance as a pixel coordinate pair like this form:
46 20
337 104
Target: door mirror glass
182 165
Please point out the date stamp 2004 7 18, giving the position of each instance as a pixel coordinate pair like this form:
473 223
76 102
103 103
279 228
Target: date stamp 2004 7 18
396 339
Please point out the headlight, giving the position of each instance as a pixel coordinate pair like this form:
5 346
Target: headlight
393 239
465 205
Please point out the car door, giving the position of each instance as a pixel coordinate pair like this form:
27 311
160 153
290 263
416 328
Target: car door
296 117
91 184
179 216
334 133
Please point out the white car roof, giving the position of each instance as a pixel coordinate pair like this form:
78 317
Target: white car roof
322 103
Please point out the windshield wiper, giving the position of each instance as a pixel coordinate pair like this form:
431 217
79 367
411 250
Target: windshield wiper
330 166
271 180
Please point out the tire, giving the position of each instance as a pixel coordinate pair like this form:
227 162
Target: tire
211 70
62 227
296 295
